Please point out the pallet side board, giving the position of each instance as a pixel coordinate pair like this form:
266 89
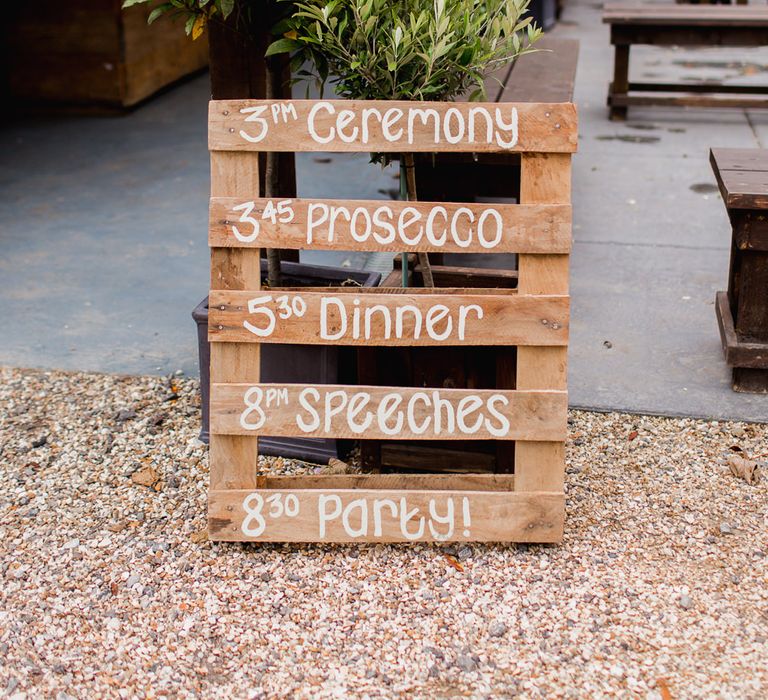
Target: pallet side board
527 507
541 466
233 458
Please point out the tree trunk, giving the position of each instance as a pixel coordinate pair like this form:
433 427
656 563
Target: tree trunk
272 170
238 70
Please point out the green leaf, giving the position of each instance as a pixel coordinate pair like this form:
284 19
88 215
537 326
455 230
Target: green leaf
226 7
283 46
131 3
158 11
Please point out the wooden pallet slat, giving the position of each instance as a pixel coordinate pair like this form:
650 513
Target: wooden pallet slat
352 126
381 226
415 318
382 515
328 410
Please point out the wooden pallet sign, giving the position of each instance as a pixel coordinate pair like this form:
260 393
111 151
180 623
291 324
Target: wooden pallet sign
525 507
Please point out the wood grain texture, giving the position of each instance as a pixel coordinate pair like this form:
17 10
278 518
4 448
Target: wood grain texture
234 458
392 482
754 159
740 188
494 516
685 15
356 411
92 53
541 127
547 75
156 56
544 178
507 319
738 353
506 228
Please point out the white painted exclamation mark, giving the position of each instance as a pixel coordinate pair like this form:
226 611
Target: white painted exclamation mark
467 516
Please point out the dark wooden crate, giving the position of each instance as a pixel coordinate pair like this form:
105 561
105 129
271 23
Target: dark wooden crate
93 53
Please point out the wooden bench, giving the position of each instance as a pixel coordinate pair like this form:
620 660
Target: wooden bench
742 311
682 25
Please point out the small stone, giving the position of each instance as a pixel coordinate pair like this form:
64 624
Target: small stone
146 476
40 441
617 671
726 529
434 671
466 663
132 581
737 431
464 553
497 629
685 602
125 414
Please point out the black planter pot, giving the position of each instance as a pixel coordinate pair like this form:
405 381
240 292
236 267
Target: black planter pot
291 364
544 13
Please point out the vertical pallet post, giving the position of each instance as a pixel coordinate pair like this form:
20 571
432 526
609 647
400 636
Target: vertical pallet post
234 458
545 178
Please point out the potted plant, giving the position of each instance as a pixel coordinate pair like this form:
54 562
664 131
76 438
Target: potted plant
239 33
418 50
406 50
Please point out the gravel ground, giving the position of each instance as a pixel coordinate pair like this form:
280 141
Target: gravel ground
108 587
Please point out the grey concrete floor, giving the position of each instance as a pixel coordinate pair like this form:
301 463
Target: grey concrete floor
103 234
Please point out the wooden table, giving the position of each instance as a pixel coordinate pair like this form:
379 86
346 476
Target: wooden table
742 311
682 25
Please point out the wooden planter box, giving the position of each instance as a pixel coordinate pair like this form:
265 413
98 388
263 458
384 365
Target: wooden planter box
93 53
